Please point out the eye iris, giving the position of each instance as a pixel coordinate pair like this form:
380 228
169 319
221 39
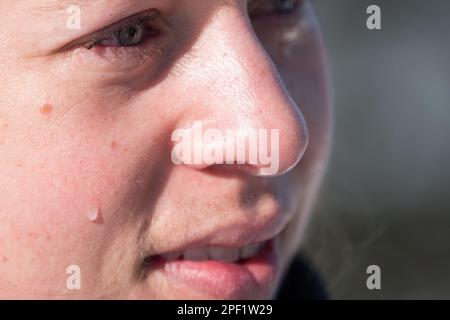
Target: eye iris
131 35
285 6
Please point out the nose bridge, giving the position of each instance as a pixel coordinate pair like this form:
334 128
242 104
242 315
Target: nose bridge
242 74
243 87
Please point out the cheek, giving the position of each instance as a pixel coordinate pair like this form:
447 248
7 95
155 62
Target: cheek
67 164
54 179
47 195
63 193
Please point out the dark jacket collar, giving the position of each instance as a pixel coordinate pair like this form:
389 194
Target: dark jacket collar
302 282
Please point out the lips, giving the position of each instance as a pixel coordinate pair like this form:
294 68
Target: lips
222 273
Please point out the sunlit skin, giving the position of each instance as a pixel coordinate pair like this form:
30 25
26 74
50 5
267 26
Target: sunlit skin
87 130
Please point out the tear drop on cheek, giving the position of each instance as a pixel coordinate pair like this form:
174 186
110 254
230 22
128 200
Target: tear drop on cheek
93 214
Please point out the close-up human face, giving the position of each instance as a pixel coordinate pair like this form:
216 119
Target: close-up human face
89 185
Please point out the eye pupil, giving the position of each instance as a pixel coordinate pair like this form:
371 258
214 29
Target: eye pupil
131 35
285 6
132 32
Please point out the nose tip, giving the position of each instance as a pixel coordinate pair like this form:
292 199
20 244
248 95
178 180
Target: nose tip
292 136
265 150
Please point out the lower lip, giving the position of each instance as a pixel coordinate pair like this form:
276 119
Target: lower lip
252 278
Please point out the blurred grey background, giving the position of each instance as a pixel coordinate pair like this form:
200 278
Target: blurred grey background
386 198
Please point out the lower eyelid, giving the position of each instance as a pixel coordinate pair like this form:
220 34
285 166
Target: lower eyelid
117 53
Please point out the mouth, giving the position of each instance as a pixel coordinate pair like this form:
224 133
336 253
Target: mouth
222 272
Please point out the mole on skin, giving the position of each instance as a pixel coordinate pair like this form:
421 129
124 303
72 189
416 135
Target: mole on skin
46 109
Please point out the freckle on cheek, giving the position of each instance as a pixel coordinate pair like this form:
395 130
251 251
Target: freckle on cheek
114 145
46 109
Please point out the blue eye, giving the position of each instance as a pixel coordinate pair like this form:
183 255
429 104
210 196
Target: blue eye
130 32
131 35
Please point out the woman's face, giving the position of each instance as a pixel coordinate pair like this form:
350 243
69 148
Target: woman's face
93 202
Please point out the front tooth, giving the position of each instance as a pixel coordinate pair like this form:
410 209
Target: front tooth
250 250
171 256
196 254
246 252
224 254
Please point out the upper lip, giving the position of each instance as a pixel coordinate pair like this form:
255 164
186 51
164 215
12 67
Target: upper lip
231 236
255 222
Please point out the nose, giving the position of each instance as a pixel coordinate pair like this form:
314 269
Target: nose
238 110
